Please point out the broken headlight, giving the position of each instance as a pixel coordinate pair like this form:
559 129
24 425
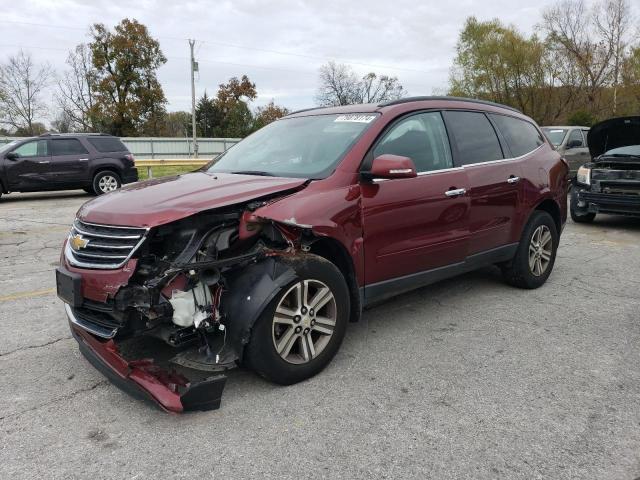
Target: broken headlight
584 176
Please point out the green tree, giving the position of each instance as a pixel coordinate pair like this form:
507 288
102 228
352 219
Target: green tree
208 116
128 98
233 117
267 114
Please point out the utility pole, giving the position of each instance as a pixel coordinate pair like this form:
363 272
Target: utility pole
194 68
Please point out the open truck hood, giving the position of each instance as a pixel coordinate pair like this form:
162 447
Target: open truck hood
613 133
164 200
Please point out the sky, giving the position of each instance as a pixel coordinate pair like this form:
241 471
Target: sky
279 44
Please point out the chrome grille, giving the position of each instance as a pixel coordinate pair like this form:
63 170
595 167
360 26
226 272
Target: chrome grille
102 246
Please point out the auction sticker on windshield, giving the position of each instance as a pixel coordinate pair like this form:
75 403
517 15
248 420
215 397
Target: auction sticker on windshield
355 118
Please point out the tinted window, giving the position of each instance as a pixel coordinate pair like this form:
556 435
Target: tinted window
67 146
575 135
422 138
107 144
521 136
36 148
475 137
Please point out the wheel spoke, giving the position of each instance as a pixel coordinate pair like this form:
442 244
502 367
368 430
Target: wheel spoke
285 312
304 349
320 299
286 340
325 321
283 320
298 295
539 266
532 261
305 293
546 238
309 341
325 330
545 256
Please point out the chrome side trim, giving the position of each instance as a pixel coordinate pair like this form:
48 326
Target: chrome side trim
502 160
96 330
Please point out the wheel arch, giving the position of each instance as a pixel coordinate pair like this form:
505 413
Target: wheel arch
335 252
552 208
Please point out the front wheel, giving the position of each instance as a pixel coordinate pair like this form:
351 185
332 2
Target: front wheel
301 330
536 253
105 182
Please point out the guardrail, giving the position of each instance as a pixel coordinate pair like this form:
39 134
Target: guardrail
149 164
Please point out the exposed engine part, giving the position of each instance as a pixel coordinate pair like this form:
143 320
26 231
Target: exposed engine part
193 306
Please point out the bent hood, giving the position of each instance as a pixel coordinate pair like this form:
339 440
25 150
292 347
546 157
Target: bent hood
613 133
164 200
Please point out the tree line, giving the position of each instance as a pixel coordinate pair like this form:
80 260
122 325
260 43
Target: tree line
581 65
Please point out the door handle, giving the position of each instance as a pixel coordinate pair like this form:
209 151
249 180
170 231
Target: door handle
455 192
513 179
43 161
83 159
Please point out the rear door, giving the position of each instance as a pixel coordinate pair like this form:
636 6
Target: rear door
493 180
70 162
30 169
413 224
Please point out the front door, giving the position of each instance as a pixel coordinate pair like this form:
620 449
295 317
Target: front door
576 150
416 224
29 169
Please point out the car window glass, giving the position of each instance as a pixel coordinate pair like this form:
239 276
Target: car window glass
36 148
421 137
475 137
575 135
67 146
107 144
521 136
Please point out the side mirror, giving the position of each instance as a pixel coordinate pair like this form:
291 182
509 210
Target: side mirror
12 156
391 166
574 144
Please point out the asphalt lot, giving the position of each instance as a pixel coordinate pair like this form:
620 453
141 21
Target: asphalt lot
467 378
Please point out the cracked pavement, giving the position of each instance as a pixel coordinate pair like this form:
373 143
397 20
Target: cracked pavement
468 378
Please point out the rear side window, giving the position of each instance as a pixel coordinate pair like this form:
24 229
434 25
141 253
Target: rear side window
67 146
521 136
107 144
420 137
475 137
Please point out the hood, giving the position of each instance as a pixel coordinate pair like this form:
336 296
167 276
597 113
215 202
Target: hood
613 133
164 200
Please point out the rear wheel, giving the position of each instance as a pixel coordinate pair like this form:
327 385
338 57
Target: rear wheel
105 182
536 253
303 327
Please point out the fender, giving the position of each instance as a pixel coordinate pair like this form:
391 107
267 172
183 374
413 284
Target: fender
248 291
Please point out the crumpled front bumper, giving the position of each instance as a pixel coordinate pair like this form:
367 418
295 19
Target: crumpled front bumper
145 380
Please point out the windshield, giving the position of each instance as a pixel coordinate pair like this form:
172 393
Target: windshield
8 146
555 135
633 150
301 147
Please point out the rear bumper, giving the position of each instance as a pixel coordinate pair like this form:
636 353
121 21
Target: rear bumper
144 380
130 175
592 202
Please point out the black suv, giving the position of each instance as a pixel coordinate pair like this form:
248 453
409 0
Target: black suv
97 163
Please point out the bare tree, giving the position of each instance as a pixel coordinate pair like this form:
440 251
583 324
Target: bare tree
22 83
75 94
594 41
339 85
612 19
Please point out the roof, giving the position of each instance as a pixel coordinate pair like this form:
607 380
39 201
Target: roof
380 107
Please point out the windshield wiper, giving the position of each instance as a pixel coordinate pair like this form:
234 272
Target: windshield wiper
253 172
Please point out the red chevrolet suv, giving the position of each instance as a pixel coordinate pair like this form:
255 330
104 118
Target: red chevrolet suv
263 256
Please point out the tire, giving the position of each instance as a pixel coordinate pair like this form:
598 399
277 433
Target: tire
580 217
521 271
293 365
106 181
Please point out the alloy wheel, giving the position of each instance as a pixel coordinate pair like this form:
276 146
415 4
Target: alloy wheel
304 321
540 250
107 183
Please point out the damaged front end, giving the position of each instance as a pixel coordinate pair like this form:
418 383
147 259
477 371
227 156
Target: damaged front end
164 312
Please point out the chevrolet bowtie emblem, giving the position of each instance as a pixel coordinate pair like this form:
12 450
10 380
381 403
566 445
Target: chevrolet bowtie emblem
77 242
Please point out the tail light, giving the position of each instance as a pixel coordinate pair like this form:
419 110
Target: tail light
131 158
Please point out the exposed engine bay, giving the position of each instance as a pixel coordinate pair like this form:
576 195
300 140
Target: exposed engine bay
190 277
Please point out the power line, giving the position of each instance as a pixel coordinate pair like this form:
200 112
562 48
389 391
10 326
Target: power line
244 47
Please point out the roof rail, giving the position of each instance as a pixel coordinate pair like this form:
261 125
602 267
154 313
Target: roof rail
461 99
54 134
